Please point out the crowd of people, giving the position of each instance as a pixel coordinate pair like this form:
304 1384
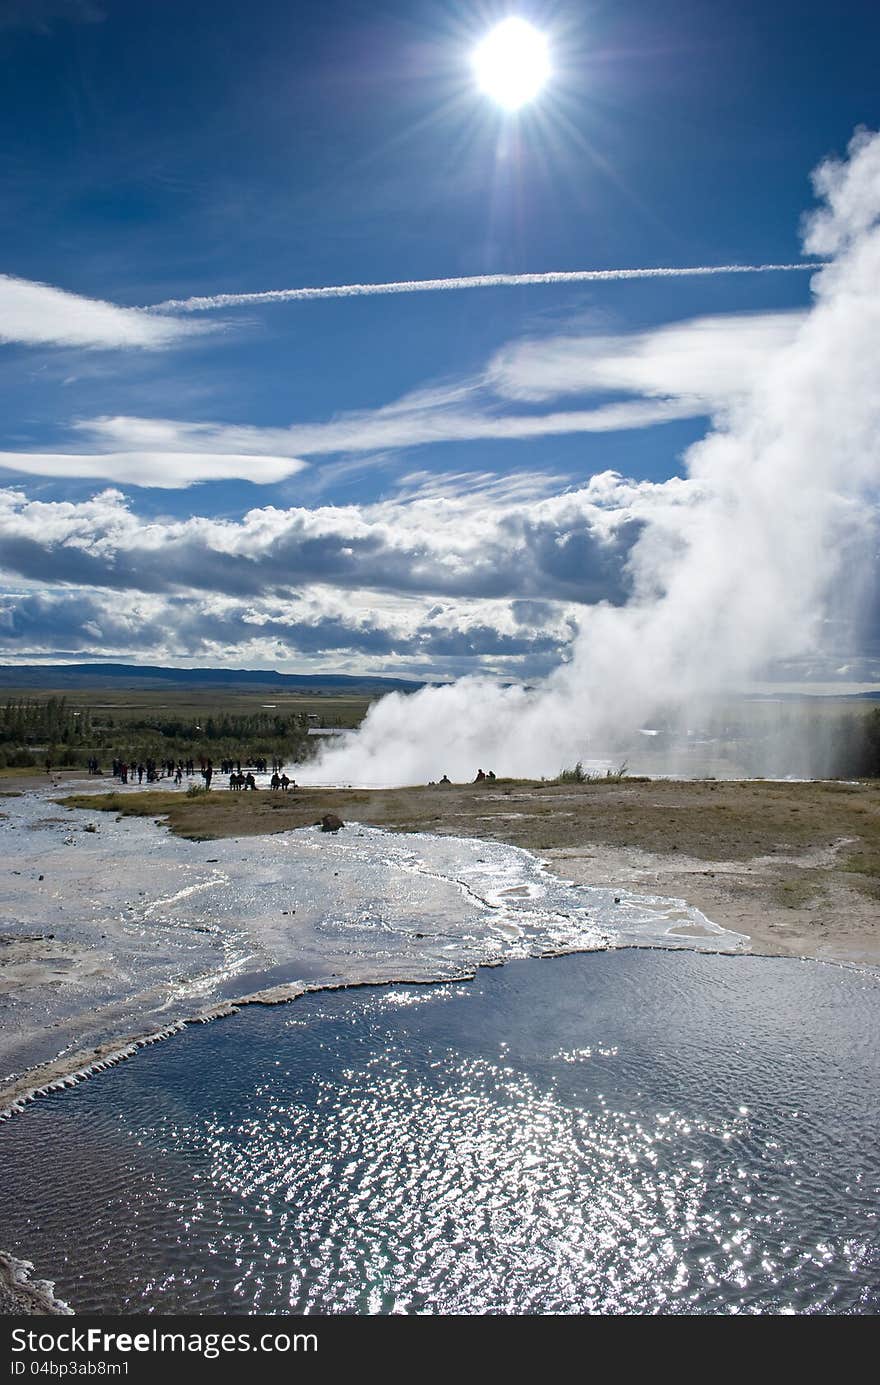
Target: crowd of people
152 771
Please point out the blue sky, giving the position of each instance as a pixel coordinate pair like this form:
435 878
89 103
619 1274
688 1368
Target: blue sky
412 483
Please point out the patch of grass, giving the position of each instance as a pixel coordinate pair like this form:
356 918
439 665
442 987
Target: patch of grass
862 863
718 821
127 805
797 892
579 775
865 866
576 775
510 782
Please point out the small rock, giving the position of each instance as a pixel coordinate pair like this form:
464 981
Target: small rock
331 823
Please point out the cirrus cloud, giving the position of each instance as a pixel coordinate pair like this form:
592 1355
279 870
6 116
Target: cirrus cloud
164 470
35 314
699 367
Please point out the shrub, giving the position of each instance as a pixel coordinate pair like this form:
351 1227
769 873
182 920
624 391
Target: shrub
579 775
20 759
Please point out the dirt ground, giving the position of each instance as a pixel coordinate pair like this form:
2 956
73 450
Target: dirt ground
796 866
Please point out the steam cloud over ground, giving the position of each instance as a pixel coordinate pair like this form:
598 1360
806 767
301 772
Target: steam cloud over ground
766 564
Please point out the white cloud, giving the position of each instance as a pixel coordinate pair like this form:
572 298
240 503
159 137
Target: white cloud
707 361
164 470
849 188
417 419
681 370
164 452
491 541
211 303
321 625
40 315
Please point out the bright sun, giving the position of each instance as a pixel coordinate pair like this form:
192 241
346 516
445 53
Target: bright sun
512 63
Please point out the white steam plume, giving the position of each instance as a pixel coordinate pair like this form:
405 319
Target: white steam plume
750 574
470 281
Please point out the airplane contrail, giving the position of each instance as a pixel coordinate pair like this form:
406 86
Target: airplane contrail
471 281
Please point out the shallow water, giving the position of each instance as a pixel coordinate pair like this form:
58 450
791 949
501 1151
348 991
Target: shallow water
112 927
608 1133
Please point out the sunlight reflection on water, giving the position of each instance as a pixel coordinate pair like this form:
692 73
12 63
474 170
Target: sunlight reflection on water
623 1132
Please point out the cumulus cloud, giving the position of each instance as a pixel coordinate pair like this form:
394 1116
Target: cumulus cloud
407 635
848 187
491 542
40 315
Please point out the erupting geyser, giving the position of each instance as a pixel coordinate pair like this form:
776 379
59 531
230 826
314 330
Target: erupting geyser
755 569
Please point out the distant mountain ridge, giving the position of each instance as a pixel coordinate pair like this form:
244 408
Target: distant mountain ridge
62 676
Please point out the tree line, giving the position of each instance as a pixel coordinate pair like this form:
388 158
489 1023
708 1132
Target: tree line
33 730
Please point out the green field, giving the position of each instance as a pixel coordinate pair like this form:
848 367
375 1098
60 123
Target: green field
195 704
